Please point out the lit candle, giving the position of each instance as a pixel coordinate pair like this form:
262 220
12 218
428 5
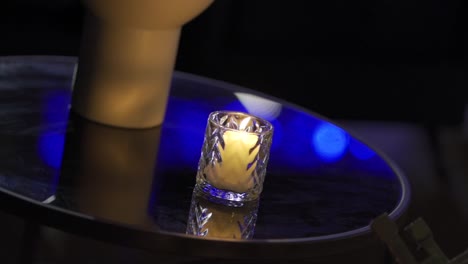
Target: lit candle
238 162
234 157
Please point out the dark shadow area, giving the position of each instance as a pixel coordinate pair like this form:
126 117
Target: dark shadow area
362 60
41 27
366 60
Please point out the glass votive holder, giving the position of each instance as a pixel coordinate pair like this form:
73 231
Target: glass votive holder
234 157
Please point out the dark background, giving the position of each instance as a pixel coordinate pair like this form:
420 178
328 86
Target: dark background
395 71
380 60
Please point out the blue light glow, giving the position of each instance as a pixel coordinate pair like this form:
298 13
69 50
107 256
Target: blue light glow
56 107
51 148
329 142
55 117
295 129
237 105
183 130
360 150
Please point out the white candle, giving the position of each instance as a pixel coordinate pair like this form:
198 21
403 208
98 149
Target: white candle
238 157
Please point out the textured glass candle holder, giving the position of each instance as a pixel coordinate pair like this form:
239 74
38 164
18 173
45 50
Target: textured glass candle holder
208 219
234 157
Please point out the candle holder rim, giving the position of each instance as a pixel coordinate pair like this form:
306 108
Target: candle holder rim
268 126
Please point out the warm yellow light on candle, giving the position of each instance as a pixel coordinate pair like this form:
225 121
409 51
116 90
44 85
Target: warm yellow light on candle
224 223
238 162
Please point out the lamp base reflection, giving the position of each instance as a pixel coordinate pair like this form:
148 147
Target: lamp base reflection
214 220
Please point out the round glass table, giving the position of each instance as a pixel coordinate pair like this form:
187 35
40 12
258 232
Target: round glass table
323 185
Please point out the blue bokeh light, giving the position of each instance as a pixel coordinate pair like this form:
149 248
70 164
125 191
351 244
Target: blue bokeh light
329 142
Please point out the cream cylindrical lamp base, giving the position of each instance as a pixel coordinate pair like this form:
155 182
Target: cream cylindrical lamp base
127 58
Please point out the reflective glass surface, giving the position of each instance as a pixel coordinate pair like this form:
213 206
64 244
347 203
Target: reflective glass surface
320 179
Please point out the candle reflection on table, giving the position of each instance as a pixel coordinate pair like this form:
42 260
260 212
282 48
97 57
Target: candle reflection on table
234 157
214 220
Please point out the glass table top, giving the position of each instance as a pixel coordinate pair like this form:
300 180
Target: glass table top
321 181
